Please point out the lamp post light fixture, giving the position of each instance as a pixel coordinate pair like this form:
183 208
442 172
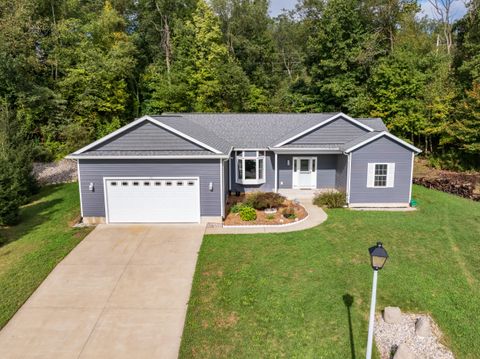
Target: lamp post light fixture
378 257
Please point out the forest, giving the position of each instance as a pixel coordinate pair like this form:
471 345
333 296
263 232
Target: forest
75 70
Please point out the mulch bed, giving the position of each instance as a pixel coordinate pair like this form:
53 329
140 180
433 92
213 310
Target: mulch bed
233 219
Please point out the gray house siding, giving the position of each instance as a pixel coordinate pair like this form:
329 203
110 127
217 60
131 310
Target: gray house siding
341 175
147 137
226 173
381 150
93 171
326 170
337 131
269 184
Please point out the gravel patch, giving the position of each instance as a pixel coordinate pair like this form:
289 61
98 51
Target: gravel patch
389 336
63 171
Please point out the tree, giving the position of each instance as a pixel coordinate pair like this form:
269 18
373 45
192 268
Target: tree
16 179
203 76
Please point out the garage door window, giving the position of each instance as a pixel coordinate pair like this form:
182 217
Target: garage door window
124 183
113 184
158 183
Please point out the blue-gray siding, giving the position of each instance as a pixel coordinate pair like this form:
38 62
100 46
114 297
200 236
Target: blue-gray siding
341 175
337 131
147 137
381 150
326 170
269 184
208 170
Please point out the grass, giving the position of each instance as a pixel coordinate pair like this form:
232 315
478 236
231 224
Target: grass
306 294
31 249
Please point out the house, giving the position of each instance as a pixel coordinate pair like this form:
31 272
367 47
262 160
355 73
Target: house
181 167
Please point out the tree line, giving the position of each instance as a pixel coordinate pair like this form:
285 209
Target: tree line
72 71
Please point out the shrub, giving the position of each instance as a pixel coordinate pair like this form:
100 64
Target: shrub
270 217
289 212
236 207
264 200
331 199
247 213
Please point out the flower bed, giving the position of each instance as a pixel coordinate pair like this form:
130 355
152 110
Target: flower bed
262 218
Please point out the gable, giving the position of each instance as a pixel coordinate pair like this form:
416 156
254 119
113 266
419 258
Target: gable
339 130
147 136
383 145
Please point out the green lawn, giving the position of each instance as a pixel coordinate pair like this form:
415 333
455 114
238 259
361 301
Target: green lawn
31 249
284 295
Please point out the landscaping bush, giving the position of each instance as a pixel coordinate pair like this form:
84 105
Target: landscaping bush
331 199
289 212
236 207
247 213
264 200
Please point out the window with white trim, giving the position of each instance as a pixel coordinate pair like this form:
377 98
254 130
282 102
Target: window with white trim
381 175
250 167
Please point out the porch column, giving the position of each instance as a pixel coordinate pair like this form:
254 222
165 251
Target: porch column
276 172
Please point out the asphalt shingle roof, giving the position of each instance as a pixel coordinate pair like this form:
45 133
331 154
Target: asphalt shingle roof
222 131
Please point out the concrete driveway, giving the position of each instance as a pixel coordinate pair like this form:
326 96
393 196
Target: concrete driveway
121 293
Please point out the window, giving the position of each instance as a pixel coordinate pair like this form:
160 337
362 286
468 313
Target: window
168 183
158 183
124 183
113 183
179 183
146 183
135 183
191 183
380 179
250 167
381 175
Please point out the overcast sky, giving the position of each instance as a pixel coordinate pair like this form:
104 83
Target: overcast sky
458 7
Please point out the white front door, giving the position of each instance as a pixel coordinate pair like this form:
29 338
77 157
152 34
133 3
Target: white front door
304 172
152 200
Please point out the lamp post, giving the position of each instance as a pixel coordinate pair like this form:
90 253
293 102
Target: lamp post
378 257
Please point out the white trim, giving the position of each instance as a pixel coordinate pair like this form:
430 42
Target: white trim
318 150
390 175
411 179
230 174
310 158
222 197
80 188
86 157
276 172
105 197
140 120
250 149
379 205
323 123
381 134
349 176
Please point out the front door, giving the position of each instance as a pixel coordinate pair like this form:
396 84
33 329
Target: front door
304 172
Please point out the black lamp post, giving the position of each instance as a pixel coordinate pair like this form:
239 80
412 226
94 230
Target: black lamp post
378 257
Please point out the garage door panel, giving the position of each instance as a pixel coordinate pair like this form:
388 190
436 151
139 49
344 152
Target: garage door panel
152 200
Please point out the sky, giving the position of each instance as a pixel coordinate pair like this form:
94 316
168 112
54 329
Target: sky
458 8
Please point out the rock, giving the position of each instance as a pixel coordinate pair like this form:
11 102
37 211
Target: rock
404 352
392 315
422 327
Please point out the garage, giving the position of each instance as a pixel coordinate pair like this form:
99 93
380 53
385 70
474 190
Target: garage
152 200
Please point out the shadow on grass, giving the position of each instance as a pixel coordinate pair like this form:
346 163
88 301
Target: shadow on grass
348 301
33 214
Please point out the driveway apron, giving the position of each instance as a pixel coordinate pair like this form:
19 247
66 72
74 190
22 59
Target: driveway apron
121 293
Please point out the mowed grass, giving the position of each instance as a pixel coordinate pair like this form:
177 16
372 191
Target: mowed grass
287 295
31 249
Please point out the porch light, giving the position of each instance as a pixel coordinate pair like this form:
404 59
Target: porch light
378 256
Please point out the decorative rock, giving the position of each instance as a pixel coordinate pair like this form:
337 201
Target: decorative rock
392 315
404 352
422 327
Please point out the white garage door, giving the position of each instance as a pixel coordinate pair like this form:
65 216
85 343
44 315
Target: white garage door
152 200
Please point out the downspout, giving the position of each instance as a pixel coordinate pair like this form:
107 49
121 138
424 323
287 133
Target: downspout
276 172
